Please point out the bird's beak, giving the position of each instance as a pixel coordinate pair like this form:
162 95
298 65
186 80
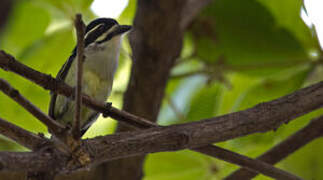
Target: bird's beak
122 29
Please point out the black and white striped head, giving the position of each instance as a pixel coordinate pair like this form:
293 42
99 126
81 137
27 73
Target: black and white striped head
102 30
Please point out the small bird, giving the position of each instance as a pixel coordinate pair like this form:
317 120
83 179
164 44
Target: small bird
102 42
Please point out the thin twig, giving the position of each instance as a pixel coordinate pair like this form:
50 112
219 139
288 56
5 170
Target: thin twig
244 161
8 62
302 137
80 30
21 136
53 125
189 74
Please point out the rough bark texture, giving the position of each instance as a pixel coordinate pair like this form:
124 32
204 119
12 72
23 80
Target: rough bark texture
156 42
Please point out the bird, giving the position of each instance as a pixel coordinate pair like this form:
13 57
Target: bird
102 41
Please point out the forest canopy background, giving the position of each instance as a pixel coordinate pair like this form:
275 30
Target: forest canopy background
236 54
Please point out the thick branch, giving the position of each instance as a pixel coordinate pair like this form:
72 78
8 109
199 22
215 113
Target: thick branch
53 125
29 161
287 147
21 136
261 118
80 29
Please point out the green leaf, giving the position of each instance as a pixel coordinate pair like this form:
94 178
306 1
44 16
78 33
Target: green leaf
181 165
71 6
309 155
311 162
180 92
232 97
206 49
269 89
9 145
47 55
27 24
128 13
287 15
204 103
249 38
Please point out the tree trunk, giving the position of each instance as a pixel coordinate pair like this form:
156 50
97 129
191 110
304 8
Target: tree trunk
156 42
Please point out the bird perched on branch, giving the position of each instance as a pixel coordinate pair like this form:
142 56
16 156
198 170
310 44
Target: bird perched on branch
102 42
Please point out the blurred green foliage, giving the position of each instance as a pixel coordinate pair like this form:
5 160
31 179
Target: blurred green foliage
237 53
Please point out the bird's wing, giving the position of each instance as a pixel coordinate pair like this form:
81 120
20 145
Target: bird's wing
61 75
89 122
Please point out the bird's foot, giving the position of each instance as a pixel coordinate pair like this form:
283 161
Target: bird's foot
108 106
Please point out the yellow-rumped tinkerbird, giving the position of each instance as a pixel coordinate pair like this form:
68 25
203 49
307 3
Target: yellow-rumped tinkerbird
102 42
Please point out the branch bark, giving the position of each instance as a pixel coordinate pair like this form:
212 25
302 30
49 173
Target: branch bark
261 118
53 125
30 161
21 136
80 30
251 164
287 147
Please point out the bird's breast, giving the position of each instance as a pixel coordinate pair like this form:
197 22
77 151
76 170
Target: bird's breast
96 86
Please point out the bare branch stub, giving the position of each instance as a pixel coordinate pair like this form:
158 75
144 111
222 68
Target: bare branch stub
80 30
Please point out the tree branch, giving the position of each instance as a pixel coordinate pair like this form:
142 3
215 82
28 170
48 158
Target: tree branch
8 62
21 136
127 115
30 161
261 118
252 164
196 134
302 137
80 29
53 125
